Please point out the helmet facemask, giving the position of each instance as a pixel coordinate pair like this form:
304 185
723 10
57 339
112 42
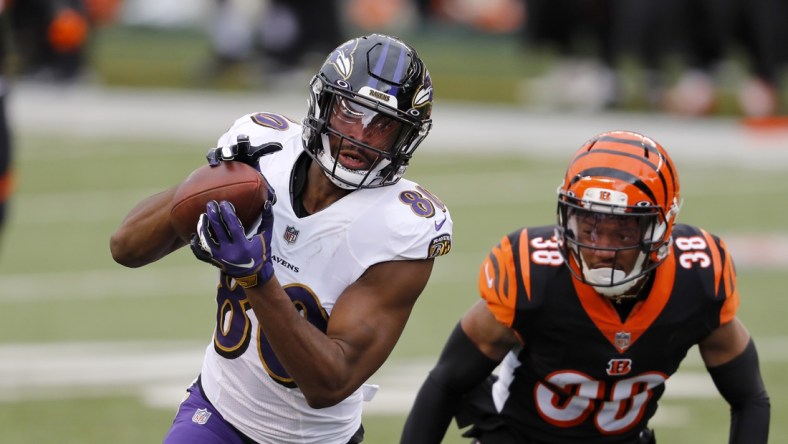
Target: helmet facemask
363 145
625 242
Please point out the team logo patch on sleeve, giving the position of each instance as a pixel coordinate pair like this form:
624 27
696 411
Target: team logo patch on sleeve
439 246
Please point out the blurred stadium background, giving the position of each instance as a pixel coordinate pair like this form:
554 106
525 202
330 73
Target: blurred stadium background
91 352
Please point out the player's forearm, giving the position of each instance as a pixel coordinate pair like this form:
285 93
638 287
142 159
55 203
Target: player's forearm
316 362
460 368
431 414
739 382
146 235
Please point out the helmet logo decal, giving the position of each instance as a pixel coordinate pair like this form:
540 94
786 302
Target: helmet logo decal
379 96
605 197
342 58
424 95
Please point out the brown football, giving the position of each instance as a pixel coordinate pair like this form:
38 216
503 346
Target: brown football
236 182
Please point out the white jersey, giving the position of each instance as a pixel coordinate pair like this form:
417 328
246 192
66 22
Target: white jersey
315 258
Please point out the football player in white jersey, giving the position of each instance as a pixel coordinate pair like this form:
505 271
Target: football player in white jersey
311 301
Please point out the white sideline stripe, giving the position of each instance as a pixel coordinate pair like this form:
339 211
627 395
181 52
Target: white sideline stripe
146 282
159 372
135 113
765 252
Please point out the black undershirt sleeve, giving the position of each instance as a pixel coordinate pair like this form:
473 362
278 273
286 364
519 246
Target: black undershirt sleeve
739 382
460 368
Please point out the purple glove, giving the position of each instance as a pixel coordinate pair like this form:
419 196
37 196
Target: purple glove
242 151
221 241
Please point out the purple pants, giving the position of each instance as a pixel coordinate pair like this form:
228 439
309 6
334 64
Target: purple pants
198 422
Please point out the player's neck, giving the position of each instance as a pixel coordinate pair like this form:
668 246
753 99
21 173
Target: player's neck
320 192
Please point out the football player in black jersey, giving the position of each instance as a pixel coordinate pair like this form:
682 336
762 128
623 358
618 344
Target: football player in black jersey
589 318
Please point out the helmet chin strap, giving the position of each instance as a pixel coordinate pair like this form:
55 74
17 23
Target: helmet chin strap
350 179
601 278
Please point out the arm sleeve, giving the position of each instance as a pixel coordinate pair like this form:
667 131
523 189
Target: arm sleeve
739 382
461 367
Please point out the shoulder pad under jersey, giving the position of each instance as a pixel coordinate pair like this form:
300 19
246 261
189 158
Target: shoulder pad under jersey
703 256
262 127
403 221
515 272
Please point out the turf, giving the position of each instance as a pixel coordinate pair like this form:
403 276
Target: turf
66 207
58 283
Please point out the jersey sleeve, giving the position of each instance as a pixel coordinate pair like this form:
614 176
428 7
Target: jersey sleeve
261 127
725 287
497 282
514 276
705 255
401 222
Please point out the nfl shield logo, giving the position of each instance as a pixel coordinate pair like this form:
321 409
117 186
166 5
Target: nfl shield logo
201 416
622 340
291 234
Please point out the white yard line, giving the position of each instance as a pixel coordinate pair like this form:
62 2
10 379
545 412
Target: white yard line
158 372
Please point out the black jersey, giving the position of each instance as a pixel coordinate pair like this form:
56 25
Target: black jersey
582 373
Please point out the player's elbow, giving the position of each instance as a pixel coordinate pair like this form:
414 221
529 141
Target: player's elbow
322 402
324 397
123 251
120 250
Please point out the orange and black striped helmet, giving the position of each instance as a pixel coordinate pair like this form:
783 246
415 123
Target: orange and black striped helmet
625 174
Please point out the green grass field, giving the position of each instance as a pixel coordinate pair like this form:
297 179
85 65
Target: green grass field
86 345
58 283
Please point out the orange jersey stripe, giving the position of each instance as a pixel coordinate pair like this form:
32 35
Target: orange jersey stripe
731 304
525 263
498 283
716 260
725 275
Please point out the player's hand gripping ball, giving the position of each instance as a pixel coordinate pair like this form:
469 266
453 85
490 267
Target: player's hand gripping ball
221 241
235 182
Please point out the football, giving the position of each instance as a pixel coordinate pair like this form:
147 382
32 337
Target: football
236 182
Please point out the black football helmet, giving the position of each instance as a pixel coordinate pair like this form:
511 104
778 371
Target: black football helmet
377 84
